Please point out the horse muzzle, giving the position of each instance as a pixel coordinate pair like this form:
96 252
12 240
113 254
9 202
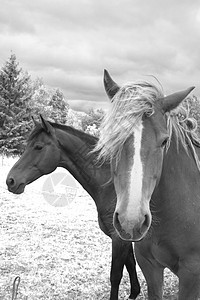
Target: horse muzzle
14 186
129 230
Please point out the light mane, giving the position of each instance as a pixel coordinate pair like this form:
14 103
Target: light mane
185 129
130 103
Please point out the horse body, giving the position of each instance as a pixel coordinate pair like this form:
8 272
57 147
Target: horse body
156 171
173 239
51 146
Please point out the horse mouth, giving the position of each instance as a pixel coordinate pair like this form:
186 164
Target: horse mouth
136 237
17 190
131 235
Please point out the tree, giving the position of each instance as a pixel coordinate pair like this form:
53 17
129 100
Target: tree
74 119
50 103
59 107
39 103
15 119
192 104
93 118
93 130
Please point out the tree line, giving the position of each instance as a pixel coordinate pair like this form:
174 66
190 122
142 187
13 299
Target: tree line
22 98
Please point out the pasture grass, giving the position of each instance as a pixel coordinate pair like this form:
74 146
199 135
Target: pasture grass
59 253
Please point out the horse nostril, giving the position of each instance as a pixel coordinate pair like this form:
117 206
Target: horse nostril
146 222
122 232
146 219
10 182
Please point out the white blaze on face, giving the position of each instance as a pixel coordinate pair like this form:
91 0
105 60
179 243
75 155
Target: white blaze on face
135 190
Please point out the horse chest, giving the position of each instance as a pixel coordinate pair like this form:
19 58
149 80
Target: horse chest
176 249
165 255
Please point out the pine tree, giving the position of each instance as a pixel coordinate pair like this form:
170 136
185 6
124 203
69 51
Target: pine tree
59 107
15 120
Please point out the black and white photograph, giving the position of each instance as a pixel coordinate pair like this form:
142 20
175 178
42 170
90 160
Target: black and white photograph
99 150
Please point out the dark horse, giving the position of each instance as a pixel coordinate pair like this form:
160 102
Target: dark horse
51 145
154 151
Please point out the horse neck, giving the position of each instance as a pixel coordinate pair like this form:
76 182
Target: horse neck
180 174
178 155
77 158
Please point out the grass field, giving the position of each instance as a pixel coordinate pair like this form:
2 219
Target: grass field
59 253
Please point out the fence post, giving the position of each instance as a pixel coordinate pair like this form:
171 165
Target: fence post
16 283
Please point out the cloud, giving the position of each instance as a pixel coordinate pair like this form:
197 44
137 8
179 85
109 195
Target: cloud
69 44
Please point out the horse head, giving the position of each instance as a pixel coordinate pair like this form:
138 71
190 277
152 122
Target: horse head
134 136
40 157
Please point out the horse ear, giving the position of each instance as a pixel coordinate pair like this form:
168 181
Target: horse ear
111 87
46 125
172 101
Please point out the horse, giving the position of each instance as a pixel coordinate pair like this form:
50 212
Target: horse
153 146
52 145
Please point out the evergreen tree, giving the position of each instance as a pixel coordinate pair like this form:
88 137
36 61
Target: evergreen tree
59 107
15 94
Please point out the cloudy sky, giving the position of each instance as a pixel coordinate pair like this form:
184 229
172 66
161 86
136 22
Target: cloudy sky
69 43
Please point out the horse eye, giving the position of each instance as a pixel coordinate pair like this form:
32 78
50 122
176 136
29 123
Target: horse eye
148 114
164 143
38 147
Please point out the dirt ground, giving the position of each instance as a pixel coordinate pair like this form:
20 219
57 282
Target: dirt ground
58 252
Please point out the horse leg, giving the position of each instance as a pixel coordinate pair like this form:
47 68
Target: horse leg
119 254
189 285
131 268
153 273
120 251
